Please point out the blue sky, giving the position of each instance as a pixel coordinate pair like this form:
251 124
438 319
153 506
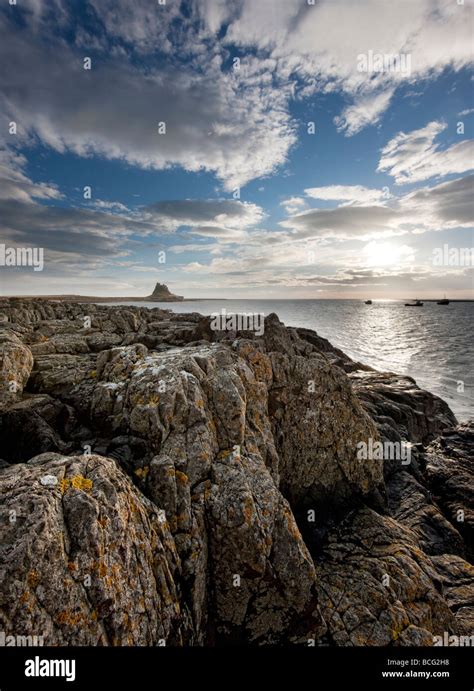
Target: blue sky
243 200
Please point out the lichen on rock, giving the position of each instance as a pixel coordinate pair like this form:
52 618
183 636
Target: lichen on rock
166 483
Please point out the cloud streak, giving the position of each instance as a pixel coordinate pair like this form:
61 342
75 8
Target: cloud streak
415 156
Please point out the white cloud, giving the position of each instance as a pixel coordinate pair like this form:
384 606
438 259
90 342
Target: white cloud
348 193
14 184
293 204
415 156
236 126
220 265
367 110
110 206
321 43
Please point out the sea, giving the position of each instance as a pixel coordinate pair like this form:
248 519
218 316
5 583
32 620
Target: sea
434 344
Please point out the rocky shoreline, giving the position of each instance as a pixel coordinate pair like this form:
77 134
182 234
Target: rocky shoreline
164 483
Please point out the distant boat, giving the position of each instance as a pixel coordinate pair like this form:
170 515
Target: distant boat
368 302
415 303
444 301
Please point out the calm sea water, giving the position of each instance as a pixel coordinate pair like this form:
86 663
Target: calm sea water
434 344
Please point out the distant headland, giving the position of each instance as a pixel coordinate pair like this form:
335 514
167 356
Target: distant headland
161 293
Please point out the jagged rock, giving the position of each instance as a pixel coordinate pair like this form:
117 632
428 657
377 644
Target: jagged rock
230 460
397 402
88 561
374 583
162 293
16 362
450 477
457 579
412 505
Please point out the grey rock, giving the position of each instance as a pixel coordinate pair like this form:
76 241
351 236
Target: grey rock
223 501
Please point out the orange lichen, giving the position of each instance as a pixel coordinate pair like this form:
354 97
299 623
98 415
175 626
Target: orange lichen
69 619
248 510
182 478
76 482
82 483
64 485
33 578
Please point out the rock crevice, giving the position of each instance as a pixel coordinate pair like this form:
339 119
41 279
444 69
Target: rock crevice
164 483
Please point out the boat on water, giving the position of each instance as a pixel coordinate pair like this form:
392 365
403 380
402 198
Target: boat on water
444 301
415 303
368 302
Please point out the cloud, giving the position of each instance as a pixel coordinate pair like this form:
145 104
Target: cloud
320 45
218 121
349 193
293 204
444 206
447 205
67 234
367 110
14 184
234 124
65 229
110 206
362 222
143 24
220 265
105 229
368 277
214 13
208 217
414 156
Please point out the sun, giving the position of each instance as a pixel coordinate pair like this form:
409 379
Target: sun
385 253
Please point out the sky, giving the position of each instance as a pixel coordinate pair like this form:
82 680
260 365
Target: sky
235 148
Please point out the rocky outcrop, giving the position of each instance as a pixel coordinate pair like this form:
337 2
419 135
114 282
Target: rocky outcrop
377 587
161 293
449 474
16 362
172 484
87 559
